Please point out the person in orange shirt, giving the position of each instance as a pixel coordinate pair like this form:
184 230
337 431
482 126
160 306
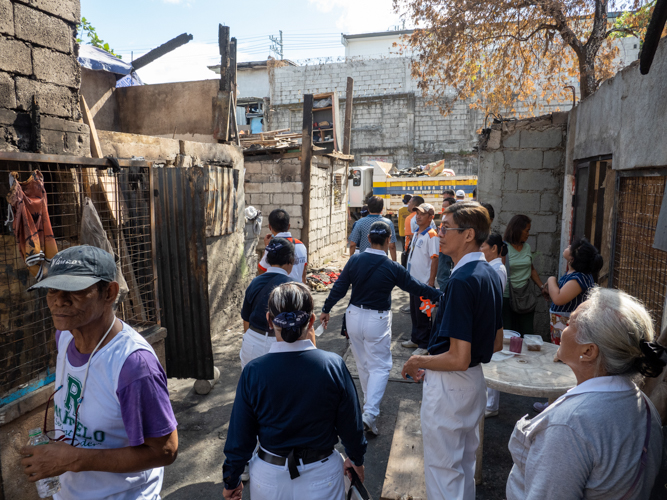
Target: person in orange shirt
414 202
403 212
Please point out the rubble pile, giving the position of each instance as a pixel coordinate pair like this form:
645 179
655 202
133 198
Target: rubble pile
322 279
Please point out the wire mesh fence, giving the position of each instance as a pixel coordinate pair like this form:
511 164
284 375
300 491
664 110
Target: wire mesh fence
640 269
122 201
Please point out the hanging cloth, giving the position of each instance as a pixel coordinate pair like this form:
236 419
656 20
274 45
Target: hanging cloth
31 225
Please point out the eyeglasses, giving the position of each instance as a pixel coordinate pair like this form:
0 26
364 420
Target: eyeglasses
59 434
444 229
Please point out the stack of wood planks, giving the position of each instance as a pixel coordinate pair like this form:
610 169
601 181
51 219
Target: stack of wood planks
271 139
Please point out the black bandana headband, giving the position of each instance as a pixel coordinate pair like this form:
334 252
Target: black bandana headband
291 320
274 246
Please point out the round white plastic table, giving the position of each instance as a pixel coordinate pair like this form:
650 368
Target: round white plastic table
531 373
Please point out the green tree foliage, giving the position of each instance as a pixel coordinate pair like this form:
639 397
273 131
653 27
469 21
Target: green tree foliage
84 28
634 23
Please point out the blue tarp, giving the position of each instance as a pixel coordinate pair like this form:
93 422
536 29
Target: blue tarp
100 60
129 80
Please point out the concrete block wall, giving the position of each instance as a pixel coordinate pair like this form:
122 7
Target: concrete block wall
521 171
391 121
271 184
38 57
371 77
328 215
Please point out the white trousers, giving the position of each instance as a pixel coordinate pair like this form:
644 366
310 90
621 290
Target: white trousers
370 340
317 481
254 345
492 399
452 406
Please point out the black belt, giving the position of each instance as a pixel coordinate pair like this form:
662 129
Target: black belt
307 456
366 308
262 333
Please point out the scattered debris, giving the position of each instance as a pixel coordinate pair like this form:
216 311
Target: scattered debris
271 139
321 280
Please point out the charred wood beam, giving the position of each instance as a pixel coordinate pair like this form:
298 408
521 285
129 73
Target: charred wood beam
652 38
225 56
163 49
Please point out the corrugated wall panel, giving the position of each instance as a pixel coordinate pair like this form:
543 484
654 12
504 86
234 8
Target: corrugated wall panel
181 201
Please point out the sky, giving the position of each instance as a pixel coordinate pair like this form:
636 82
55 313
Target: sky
311 30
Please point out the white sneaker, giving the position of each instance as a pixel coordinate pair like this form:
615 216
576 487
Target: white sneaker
370 424
490 413
420 352
409 344
246 473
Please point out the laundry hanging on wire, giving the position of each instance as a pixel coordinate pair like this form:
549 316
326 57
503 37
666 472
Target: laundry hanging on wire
31 224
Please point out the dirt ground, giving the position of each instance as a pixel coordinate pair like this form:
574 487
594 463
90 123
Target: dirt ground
203 420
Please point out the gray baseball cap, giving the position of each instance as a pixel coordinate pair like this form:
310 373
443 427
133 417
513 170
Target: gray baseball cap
77 268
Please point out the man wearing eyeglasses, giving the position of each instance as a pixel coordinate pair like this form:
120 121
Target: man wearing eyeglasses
114 429
468 332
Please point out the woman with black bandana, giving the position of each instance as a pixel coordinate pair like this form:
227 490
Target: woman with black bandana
297 400
258 336
373 276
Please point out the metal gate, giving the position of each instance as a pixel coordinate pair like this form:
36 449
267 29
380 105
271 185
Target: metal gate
180 197
638 268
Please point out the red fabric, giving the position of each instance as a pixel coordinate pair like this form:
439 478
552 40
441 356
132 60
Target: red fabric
32 226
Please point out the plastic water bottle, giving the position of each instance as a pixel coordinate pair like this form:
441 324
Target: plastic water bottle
51 485
320 330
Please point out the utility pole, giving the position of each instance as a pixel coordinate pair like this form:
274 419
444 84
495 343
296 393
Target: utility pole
277 46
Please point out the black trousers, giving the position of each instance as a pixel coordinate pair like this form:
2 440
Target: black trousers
421 324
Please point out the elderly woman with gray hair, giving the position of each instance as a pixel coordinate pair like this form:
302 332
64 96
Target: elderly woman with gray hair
603 439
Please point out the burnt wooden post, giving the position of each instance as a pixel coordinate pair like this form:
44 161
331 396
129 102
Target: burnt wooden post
232 74
348 116
223 101
306 160
223 45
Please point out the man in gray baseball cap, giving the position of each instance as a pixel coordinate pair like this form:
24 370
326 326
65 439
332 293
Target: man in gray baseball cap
77 268
114 426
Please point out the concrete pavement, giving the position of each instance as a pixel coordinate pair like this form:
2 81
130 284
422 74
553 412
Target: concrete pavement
203 420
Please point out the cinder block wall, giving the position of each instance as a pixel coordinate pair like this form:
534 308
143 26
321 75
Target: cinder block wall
392 121
521 171
271 184
38 57
328 213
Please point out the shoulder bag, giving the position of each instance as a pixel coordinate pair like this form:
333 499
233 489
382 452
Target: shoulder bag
522 300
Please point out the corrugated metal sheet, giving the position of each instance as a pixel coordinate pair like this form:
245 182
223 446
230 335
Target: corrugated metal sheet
181 201
221 206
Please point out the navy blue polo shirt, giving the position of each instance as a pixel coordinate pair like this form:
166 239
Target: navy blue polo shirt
294 397
256 301
373 276
471 310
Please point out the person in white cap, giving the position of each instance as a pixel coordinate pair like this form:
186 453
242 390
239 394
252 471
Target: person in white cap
422 266
460 195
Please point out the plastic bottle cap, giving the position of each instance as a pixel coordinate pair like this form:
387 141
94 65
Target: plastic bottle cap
34 432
